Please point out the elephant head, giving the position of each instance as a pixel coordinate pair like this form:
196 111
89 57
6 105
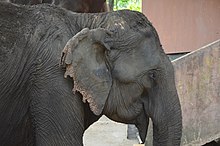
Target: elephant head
123 73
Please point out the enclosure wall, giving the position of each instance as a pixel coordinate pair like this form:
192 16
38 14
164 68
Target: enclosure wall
184 26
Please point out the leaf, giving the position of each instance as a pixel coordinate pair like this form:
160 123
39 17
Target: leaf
128 4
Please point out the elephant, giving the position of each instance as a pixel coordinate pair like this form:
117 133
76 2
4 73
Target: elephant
61 71
80 6
212 143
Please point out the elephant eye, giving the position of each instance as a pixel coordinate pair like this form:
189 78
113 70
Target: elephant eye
152 74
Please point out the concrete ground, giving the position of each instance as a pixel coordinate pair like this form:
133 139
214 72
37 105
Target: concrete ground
107 133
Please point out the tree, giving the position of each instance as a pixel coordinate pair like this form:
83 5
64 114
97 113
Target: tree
111 5
125 4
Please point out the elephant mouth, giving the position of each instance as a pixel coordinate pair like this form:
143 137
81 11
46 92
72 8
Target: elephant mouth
141 122
125 116
134 113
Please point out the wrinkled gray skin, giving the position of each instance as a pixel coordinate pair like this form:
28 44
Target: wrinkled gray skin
117 63
81 6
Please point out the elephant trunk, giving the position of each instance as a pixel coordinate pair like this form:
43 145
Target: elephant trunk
165 112
168 130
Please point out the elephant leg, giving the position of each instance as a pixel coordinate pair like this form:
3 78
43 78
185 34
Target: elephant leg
218 141
132 131
57 114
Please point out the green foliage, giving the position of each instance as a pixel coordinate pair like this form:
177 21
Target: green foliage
128 4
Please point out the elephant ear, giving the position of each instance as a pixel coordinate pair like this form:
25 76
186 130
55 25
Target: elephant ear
85 61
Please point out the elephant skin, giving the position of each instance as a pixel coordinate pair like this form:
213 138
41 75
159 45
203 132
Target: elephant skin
113 64
80 6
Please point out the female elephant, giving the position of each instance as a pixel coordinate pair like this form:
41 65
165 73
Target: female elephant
116 61
81 6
